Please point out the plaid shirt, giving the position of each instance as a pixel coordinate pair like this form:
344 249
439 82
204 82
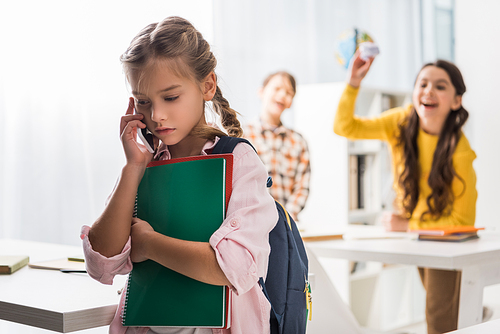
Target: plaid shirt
284 153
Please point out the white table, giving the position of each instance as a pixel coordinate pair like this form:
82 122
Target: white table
479 261
489 327
50 299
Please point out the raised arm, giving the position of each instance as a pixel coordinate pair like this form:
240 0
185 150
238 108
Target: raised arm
358 68
110 232
347 124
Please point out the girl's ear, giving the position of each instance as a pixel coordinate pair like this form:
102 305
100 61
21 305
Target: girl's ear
209 86
457 102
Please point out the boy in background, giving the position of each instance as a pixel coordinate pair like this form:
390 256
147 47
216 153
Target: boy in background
283 151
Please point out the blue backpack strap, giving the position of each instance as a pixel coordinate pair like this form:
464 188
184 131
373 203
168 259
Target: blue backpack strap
285 233
275 317
227 144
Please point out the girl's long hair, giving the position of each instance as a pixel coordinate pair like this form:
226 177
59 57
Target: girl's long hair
440 201
176 42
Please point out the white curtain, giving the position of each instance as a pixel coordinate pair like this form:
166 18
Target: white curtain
254 38
62 92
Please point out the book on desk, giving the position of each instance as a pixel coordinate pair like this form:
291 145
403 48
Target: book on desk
452 233
12 263
69 264
455 237
184 199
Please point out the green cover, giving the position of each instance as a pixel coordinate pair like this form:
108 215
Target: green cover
184 200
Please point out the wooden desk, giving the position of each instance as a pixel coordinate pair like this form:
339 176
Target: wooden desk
479 261
50 299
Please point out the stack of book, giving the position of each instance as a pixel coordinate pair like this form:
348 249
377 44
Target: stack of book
357 169
452 233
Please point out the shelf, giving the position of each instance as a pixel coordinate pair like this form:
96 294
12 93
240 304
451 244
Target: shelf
360 215
364 151
364 147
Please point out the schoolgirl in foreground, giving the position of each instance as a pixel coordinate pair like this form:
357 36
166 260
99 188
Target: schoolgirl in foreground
170 69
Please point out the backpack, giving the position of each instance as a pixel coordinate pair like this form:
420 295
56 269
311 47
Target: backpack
286 286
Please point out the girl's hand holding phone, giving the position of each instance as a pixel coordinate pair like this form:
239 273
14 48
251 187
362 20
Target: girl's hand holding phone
358 68
136 153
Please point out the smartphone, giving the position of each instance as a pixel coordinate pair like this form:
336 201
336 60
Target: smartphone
146 138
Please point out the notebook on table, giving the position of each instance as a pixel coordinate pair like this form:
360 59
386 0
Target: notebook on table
186 199
12 263
447 230
456 237
450 233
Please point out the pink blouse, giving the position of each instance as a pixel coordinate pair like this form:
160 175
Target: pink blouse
241 246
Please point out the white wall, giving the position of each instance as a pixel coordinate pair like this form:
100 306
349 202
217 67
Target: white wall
62 93
255 38
477 53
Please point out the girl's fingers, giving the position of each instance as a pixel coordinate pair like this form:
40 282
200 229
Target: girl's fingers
136 220
131 126
130 118
135 118
131 106
368 63
129 114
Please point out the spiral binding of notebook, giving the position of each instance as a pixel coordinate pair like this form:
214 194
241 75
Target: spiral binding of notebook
124 308
135 208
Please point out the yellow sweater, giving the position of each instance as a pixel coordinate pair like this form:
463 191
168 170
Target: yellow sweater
385 127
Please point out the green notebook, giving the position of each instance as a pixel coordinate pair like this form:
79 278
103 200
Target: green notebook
185 199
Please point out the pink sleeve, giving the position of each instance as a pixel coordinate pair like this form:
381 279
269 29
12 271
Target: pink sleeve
241 244
101 268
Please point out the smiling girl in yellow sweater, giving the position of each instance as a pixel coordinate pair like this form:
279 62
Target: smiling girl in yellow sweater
434 179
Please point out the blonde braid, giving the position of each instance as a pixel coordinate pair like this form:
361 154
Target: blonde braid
228 115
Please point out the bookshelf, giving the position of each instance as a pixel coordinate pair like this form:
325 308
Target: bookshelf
370 178
360 169
351 183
